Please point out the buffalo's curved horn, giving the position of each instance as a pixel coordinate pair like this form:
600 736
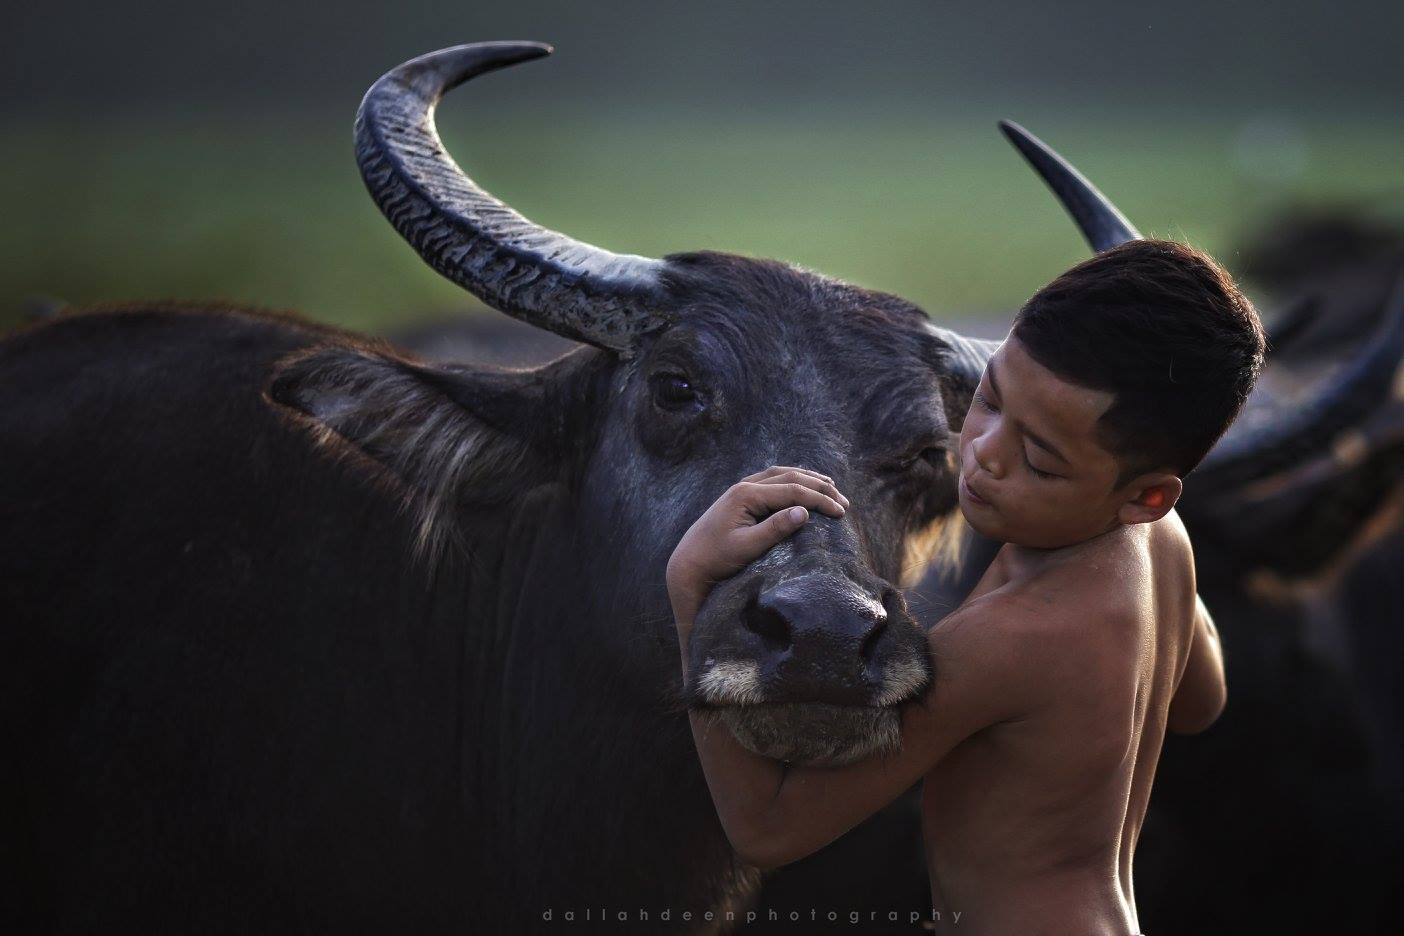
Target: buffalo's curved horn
968 356
1292 323
1352 394
1096 216
534 274
964 364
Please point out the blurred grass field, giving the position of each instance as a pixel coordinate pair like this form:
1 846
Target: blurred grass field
271 211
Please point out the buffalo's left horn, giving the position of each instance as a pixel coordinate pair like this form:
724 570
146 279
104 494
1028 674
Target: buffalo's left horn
1352 394
542 277
968 356
1100 222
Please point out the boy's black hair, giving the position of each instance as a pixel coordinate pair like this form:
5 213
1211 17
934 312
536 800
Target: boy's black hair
1163 326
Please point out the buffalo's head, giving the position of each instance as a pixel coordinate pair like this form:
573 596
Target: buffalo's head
697 369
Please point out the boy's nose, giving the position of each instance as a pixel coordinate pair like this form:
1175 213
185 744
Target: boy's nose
987 456
820 633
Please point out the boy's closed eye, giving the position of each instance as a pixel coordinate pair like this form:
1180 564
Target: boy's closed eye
1038 473
986 404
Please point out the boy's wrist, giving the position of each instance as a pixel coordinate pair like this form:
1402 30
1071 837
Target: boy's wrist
684 626
684 585
683 621
684 605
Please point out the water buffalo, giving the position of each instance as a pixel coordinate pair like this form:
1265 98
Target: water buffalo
302 633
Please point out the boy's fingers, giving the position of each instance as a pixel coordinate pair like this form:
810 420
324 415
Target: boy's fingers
796 476
774 470
760 499
773 529
763 474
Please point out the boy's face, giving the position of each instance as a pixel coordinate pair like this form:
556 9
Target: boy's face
1033 471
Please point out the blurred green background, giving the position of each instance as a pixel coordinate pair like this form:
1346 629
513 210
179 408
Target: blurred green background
197 151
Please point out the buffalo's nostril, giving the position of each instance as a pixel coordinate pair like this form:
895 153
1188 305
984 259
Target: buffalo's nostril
824 636
867 648
817 615
769 624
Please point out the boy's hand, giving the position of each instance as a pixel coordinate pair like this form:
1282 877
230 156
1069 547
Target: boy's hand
753 515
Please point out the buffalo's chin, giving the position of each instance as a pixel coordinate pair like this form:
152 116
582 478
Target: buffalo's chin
814 734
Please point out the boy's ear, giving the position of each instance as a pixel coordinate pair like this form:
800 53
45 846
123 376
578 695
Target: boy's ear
455 436
1152 495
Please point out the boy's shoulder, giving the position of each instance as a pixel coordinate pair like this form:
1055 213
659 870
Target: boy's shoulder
1067 636
1025 630
1110 575
1033 650
1083 607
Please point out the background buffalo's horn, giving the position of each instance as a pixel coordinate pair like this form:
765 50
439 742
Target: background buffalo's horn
1101 223
1292 323
1351 395
534 274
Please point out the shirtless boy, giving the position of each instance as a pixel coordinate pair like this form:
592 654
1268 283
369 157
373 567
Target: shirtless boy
1083 643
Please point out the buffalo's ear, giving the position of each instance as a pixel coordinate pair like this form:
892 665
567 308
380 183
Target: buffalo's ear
456 436
956 394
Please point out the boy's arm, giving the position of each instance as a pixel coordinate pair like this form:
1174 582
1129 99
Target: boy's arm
1200 697
773 813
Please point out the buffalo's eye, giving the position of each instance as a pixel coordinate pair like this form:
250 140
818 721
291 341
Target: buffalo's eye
933 455
674 392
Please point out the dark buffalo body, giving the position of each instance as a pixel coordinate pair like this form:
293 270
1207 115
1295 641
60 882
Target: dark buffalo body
304 634
231 701
240 694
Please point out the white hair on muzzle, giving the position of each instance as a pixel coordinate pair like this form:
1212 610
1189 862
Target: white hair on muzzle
731 683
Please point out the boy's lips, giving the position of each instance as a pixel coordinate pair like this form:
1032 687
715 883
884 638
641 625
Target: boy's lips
972 495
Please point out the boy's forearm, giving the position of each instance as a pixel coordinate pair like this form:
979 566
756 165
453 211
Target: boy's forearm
744 785
750 518
1203 692
1206 632
1204 619
775 813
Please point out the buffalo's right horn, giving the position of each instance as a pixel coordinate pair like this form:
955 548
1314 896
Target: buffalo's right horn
542 277
964 364
968 356
1100 222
